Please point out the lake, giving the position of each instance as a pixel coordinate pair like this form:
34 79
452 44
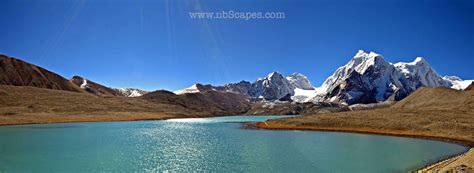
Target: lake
207 144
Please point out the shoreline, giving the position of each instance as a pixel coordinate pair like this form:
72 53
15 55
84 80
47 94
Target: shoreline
443 163
430 167
86 121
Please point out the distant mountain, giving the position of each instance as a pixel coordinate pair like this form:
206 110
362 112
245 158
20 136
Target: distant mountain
131 92
300 81
272 87
20 73
368 78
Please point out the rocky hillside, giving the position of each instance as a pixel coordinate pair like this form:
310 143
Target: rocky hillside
20 73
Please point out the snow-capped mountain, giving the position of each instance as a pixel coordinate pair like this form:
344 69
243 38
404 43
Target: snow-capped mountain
368 78
191 89
272 87
131 92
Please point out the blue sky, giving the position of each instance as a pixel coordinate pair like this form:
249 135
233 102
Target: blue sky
156 45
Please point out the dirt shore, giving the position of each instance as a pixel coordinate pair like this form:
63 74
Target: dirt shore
461 163
44 118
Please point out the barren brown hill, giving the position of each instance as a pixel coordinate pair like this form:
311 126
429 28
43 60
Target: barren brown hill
93 87
438 99
429 112
20 105
23 104
212 103
20 73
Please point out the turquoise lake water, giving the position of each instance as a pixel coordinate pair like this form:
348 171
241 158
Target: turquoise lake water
207 145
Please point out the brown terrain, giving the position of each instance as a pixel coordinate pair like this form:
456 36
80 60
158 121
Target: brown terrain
435 113
31 94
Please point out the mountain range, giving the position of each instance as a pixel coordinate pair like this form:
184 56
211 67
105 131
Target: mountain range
366 78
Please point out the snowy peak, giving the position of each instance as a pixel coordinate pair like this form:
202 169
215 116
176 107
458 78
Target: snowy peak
191 89
420 60
300 81
362 61
421 73
197 88
458 83
275 76
131 92
273 87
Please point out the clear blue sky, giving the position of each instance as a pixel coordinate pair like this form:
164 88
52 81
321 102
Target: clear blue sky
156 45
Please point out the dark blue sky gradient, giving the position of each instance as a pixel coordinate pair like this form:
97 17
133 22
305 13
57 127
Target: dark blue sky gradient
156 45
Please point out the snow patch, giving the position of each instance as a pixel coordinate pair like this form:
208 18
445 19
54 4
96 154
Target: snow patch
84 83
191 89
